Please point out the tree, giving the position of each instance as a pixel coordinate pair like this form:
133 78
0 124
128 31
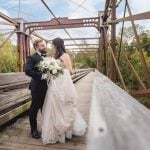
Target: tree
84 61
128 34
129 45
8 57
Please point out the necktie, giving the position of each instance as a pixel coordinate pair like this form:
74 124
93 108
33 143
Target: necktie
44 55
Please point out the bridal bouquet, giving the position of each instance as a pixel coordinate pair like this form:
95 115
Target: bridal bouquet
51 67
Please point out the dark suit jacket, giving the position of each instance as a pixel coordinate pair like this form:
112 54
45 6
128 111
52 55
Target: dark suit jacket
31 69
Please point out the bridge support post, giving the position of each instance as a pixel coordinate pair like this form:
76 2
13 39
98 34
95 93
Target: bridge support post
97 61
23 49
73 61
23 46
113 42
99 57
100 41
102 51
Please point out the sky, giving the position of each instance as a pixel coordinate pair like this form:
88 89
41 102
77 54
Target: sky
34 10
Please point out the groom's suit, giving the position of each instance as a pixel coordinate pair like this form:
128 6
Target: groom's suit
37 86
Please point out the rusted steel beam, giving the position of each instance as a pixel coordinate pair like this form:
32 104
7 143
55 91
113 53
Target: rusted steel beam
107 3
81 44
23 47
122 30
64 23
99 56
20 51
79 39
27 45
140 16
86 51
82 53
99 52
78 52
138 93
115 61
113 42
59 27
101 48
81 48
82 39
10 20
88 54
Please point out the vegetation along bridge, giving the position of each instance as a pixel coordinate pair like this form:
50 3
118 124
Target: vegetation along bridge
111 74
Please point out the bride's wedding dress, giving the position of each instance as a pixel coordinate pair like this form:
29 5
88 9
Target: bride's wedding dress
60 117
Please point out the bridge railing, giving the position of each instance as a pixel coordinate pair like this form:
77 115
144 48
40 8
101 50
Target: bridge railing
15 96
117 120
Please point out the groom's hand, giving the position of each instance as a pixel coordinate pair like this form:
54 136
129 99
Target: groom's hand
44 76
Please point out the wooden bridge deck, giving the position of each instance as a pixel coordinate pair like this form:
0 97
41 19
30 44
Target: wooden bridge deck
117 121
17 136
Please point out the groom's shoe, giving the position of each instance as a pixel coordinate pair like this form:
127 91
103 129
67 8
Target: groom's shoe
35 134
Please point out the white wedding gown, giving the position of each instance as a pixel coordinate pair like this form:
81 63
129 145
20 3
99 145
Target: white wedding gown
60 117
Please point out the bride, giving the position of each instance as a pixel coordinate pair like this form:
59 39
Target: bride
60 117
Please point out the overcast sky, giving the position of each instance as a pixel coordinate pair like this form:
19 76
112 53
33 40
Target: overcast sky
34 10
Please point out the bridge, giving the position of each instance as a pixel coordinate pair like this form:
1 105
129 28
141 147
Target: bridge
116 120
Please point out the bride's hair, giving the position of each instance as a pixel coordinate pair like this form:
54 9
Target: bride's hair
60 47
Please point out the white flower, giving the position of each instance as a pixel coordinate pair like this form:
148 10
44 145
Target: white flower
51 65
59 68
54 71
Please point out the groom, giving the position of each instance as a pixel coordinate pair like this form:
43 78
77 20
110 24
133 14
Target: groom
38 84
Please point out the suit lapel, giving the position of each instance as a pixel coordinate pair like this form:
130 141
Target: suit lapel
39 57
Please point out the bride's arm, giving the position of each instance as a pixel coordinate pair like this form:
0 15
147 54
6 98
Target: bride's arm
66 60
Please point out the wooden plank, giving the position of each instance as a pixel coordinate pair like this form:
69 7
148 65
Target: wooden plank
13 113
117 120
8 99
9 78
